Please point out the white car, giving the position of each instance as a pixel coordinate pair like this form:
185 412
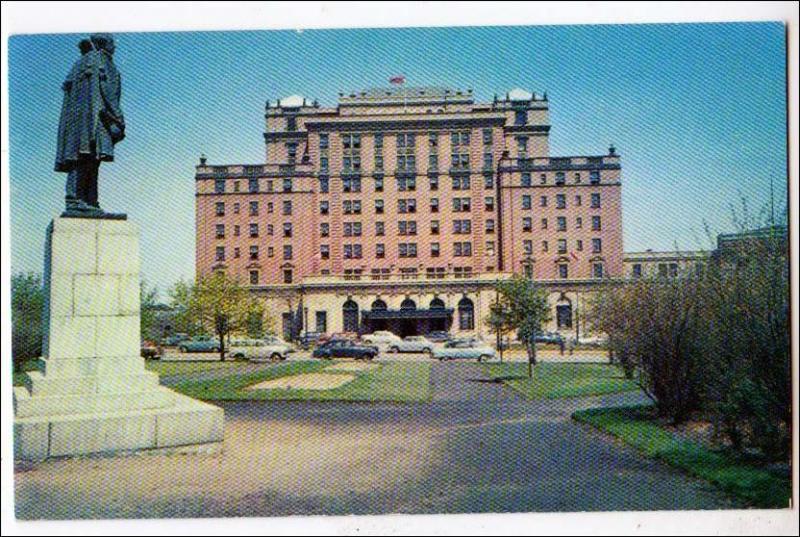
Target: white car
383 339
412 344
464 349
258 350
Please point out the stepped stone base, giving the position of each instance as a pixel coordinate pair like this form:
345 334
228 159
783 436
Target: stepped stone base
92 393
182 422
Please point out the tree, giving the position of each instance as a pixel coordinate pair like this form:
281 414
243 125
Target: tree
27 309
180 297
222 305
148 308
499 321
523 306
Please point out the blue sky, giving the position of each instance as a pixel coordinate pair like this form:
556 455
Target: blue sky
696 111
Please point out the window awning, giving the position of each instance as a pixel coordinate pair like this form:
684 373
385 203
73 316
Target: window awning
435 313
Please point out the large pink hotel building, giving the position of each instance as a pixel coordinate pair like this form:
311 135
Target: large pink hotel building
400 208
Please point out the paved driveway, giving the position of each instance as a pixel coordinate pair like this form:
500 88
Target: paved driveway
476 447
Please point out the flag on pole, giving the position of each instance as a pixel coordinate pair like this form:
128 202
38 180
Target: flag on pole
399 79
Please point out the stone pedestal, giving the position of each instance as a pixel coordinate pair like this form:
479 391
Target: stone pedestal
92 393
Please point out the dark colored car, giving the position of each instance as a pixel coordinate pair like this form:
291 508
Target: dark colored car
549 337
341 348
439 336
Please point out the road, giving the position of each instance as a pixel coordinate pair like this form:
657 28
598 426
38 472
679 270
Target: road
476 447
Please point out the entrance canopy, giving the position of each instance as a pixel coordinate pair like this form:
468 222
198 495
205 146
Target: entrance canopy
435 313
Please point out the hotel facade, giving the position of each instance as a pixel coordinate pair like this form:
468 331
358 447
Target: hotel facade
401 208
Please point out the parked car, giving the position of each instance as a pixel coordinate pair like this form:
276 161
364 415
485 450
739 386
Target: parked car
258 350
199 344
550 337
593 341
383 339
439 336
347 336
150 351
464 349
340 348
174 340
412 344
546 337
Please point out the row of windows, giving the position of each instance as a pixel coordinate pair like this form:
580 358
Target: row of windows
404 183
253 208
597 268
561 223
406 273
561 201
408 205
526 178
405 140
405 227
252 185
404 250
354 184
254 276
561 246
253 253
459 161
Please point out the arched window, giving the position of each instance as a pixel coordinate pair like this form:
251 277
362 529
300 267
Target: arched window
350 316
408 304
466 314
379 305
437 304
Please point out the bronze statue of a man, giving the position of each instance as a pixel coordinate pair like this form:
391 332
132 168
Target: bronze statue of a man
91 123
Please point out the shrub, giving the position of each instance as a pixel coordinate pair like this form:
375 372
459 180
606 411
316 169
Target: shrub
653 329
747 379
27 306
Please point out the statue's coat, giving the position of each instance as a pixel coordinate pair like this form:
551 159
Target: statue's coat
91 119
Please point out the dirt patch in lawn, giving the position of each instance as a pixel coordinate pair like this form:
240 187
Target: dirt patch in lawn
352 366
307 381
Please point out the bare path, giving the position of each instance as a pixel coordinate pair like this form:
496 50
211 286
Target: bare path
476 447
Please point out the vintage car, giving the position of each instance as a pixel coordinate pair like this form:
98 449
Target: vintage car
340 348
439 336
383 339
174 340
199 344
258 350
412 344
464 349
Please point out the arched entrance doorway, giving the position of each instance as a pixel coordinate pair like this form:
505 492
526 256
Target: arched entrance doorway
350 316
437 324
564 314
378 324
408 326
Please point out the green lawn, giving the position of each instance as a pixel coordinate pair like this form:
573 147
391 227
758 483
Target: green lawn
555 380
179 368
633 425
162 368
391 381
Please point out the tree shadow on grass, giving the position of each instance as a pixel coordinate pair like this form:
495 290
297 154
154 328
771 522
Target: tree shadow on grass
499 380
